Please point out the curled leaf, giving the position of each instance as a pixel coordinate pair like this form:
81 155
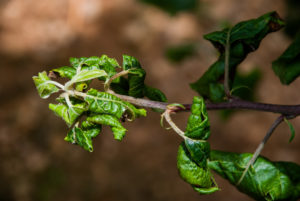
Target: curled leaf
44 85
83 137
117 128
198 126
197 175
68 113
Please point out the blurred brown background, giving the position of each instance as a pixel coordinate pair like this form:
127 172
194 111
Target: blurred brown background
36 35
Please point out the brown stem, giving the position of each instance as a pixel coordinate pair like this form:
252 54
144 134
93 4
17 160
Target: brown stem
261 146
287 110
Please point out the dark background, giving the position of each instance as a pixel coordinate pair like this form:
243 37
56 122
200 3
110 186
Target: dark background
36 35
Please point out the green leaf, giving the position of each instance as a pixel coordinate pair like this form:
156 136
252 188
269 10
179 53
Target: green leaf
106 103
154 94
82 137
198 176
109 65
136 76
116 127
68 113
43 85
216 92
198 126
245 37
287 66
199 151
65 71
291 129
266 180
86 75
130 62
122 87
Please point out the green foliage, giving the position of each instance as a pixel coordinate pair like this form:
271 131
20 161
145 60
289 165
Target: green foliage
85 110
287 66
245 37
43 85
134 84
193 153
265 180
198 123
173 6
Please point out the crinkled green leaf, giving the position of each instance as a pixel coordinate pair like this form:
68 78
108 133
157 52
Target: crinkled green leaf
197 175
65 71
198 126
43 85
287 66
291 129
68 114
77 62
116 127
266 180
193 154
130 62
109 65
199 151
83 137
105 63
245 37
106 103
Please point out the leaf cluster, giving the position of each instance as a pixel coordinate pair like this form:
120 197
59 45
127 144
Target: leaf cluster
85 110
